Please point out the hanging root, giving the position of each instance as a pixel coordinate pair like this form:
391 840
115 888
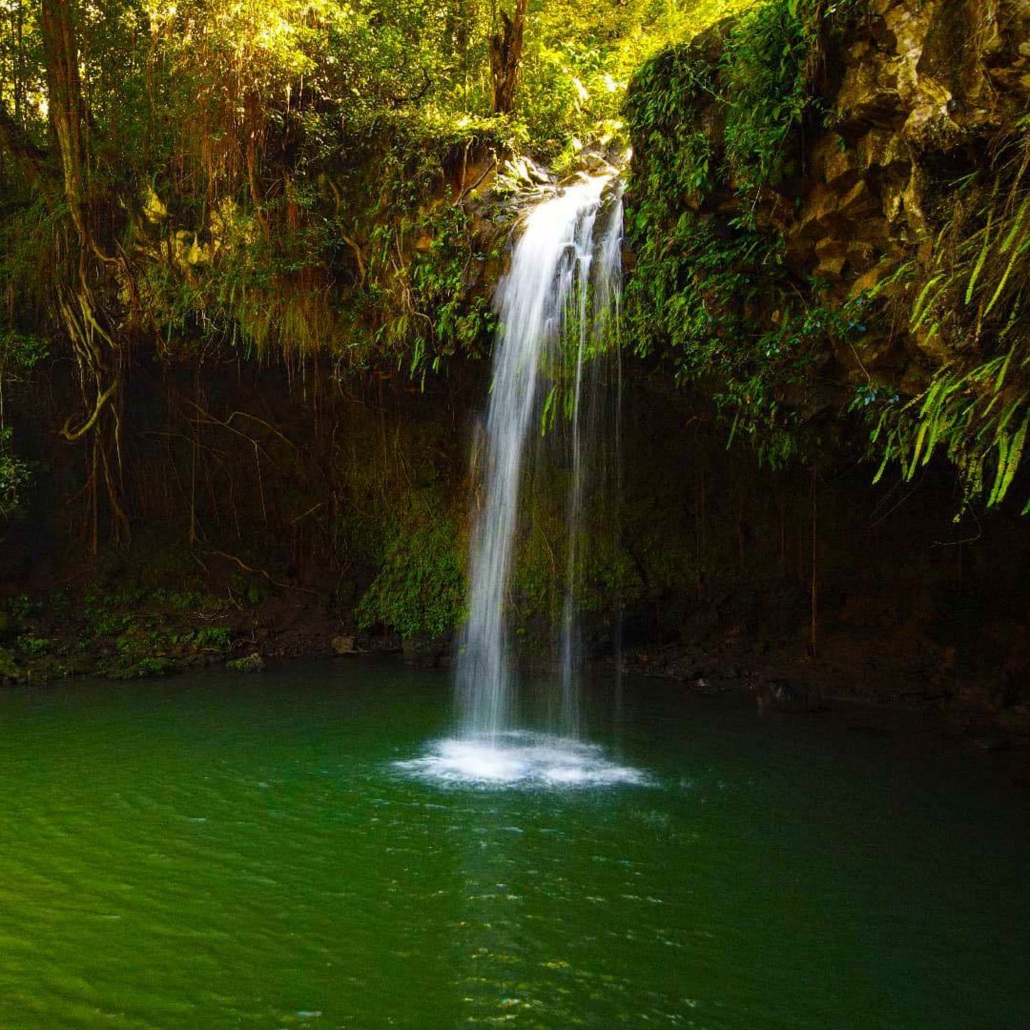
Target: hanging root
77 434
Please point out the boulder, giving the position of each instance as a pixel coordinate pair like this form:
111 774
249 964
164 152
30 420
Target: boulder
343 645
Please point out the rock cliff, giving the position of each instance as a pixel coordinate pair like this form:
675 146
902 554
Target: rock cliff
831 199
918 95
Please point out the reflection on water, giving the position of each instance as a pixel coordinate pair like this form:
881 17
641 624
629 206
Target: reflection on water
244 851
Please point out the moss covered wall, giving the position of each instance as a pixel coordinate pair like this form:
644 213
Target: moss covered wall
828 204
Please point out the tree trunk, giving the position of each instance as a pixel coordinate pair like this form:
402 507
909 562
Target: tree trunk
505 56
66 108
91 277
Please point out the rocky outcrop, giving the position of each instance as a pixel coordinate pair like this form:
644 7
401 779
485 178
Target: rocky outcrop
916 92
904 100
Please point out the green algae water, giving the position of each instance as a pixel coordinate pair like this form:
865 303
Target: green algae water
268 851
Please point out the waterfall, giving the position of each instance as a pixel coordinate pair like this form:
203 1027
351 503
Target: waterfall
561 279
604 294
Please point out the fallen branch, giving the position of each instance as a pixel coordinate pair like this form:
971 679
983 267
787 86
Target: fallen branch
263 572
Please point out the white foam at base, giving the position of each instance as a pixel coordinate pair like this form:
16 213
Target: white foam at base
520 760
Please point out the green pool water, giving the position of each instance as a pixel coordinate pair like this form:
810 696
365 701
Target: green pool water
232 850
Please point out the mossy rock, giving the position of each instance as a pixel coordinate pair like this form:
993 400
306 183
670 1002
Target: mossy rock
145 668
80 664
9 668
45 668
343 645
251 663
426 652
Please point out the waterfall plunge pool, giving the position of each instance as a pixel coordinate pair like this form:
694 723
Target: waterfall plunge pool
232 850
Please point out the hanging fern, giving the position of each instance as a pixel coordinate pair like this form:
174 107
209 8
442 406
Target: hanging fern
975 302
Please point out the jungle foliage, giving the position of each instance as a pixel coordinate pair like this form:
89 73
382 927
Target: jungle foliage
247 164
277 179
420 589
718 123
971 298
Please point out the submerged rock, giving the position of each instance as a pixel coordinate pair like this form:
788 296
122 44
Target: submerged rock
426 652
784 695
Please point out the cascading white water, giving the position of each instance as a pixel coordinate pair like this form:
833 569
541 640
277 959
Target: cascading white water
561 279
604 295
548 286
